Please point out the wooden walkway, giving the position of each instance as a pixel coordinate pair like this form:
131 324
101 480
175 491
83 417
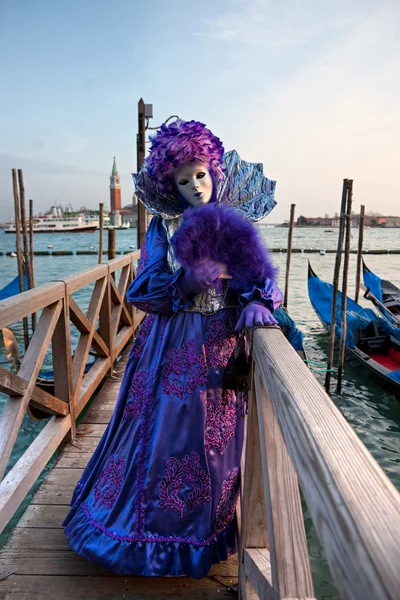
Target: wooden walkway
37 554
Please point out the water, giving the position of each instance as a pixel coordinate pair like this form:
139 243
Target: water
373 413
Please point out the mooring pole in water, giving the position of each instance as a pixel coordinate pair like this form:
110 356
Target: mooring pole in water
31 262
331 347
289 254
101 231
111 243
359 252
24 228
19 251
343 325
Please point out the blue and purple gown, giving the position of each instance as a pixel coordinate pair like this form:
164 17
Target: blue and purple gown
158 496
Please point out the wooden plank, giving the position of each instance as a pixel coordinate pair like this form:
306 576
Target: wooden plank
40 516
82 323
25 472
85 340
354 507
257 567
291 573
28 587
49 494
14 410
121 340
105 318
64 477
84 278
91 381
98 416
15 308
121 261
91 430
13 385
64 562
62 363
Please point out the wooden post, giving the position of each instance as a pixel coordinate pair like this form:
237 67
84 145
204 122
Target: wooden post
19 251
344 286
111 243
289 254
359 252
331 347
24 228
31 260
141 151
101 231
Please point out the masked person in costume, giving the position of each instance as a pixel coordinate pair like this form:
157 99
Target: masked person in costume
158 496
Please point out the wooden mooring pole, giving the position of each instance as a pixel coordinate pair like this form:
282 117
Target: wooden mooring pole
141 151
19 251
359 252
342 345
31 260
111 243
101 231
289 254
331 347
24 228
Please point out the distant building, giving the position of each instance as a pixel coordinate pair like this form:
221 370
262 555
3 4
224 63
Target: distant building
120 216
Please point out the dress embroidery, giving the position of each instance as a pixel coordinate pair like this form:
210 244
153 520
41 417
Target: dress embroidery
220 343
188 363
110 481
143 335
141 388
180 474
227 504
220 420
144 256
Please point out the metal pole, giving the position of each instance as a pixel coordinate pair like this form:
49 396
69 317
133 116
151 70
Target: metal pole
19 251
101 231
342 345
331 347
289 254
359 252
141 151
31 261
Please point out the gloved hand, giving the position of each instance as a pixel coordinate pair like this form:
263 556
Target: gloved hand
199 278
255 314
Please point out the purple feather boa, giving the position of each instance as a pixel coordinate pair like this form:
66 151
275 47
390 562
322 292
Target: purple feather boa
220 233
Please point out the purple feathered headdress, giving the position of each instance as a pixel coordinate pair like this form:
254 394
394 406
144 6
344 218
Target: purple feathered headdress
220 233
182 142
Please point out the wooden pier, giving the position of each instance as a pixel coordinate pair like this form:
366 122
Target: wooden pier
295 436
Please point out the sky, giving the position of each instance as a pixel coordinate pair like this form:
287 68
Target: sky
310 88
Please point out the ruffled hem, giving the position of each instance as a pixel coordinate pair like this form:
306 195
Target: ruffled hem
149 556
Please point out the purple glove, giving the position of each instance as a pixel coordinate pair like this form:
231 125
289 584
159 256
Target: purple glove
199 278
255 314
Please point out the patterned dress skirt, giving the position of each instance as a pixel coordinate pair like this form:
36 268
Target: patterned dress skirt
158 496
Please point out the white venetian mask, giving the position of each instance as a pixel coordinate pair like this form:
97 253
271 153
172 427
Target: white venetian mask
194 182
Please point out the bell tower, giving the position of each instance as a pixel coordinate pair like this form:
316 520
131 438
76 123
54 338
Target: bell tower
115 189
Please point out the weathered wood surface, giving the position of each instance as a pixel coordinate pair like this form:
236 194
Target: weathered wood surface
354 507
46 568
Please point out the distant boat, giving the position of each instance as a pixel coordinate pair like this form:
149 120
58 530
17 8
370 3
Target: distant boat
373 341
322 252
329 230
50 246
59 224
383 294
13 254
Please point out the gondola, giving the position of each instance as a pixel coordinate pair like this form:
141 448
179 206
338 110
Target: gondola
12 288
372 340
383 294
290 331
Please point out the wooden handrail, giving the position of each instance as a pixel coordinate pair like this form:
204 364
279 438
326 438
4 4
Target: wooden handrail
354 506
73 386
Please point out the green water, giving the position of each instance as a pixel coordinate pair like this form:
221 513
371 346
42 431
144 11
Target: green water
373 413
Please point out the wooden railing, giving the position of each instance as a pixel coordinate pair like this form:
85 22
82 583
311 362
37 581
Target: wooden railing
107 326
295 434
